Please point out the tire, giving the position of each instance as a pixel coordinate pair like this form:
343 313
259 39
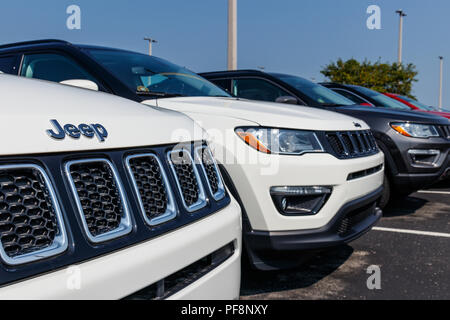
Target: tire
386 195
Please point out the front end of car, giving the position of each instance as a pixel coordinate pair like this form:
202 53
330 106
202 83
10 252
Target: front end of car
423 152
323 193
128 214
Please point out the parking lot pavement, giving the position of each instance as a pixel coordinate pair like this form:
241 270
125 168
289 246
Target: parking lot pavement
412 265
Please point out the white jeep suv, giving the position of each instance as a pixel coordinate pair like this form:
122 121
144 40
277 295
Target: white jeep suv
305 178
99 199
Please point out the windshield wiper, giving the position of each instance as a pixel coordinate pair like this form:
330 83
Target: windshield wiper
158 94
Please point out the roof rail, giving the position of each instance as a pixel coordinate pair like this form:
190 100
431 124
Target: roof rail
24 43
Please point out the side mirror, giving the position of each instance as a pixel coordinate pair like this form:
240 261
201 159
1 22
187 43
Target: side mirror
81 83
287 99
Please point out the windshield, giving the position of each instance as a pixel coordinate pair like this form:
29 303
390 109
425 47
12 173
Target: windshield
146 74
320 95
418 104
381 100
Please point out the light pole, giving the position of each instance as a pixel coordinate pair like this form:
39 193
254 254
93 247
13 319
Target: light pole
400 35
150 41
441 59
232 35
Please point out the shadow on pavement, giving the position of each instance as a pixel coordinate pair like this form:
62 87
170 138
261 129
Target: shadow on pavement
313 270
404 206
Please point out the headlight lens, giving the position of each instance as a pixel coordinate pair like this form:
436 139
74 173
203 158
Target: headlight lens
415 130
280 141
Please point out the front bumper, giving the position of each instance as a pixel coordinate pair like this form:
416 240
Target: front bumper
119 274
350 222
414 181
407 176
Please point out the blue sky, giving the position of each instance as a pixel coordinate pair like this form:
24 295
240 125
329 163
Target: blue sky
291 36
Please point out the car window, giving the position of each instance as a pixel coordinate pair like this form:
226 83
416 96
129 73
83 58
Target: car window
349 95
381 100
223 83
7 64
53 67
256 89
418 104
146 74
319 95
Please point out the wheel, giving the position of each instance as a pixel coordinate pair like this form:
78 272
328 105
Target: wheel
386 195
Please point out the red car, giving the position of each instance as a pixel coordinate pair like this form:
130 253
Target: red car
416 105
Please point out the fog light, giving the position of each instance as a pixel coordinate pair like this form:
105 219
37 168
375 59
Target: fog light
424 157
299 200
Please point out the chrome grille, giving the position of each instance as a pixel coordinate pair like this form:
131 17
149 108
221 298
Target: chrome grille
211 172
445 131
31 226
100 199
188 179
352 144
152 188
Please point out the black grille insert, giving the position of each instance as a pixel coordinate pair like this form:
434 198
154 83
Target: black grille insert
99 198
31 226
27 218
187 179
151 186
211 172
352 144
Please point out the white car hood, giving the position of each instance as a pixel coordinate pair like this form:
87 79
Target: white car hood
264 113
28 105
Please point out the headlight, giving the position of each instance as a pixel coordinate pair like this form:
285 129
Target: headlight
280 141
415 130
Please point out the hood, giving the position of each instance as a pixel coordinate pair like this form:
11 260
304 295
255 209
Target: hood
394 115
439 113
27 107
263 113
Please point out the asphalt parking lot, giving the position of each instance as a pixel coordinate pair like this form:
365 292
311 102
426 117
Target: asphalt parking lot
411 246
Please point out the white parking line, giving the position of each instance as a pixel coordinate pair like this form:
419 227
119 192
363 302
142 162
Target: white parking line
423 233
435 192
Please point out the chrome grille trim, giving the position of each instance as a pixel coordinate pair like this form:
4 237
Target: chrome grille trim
59 243
125 225
171 210
220 186
201 202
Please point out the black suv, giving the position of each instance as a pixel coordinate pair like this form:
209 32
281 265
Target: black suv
416 145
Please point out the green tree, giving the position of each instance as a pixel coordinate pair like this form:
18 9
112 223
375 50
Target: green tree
382 77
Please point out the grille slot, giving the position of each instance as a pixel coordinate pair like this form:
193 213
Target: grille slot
352 144
100 199
211 172
188 179
152 188
31 225
445 131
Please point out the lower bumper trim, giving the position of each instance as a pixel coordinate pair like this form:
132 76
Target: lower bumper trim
353 220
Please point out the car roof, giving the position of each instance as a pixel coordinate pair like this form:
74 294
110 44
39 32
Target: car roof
232 72
18 45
